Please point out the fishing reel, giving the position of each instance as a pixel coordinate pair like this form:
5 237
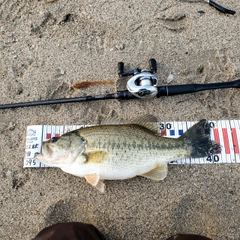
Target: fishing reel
143 84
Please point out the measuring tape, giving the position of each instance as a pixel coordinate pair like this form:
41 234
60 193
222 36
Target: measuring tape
225 132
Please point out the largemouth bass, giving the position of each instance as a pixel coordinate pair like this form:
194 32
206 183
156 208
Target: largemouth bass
115 151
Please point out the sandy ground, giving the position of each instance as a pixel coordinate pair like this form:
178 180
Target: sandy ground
46 48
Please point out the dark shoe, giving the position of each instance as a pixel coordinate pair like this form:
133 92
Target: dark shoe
70 231
188 237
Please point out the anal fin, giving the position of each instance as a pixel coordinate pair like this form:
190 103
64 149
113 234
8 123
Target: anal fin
95 181
158 173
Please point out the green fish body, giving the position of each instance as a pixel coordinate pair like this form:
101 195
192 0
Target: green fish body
125 150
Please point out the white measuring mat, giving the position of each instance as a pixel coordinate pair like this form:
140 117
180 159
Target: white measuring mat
225 132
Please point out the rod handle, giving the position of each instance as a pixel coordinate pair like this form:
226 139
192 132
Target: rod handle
191 88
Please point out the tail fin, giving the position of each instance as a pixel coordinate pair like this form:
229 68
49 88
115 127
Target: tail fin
198 136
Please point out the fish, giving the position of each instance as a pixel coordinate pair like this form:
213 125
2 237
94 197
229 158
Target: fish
31 133
117 150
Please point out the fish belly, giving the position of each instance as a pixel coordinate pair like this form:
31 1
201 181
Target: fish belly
121 166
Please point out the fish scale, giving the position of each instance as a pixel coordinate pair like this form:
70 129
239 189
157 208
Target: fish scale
136 141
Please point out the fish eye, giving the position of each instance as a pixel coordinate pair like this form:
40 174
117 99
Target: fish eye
54 139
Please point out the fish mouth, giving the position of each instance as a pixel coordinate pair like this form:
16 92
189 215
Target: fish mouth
37 154
45 156
46 148
50 157
41 158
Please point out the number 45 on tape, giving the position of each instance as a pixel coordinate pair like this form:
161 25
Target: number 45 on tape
225 132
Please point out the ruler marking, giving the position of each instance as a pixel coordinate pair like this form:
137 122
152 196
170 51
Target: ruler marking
39 163
235 140
237 126
185 128
163 132
235 137
57 132
177 126
231 145
220 133
172 133
53 128
191 160
216 135
221 142
226 141
180 132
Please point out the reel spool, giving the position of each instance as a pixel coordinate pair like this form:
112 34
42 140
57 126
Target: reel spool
144 83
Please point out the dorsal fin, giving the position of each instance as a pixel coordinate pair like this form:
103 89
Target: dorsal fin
112 121
147 121
150 122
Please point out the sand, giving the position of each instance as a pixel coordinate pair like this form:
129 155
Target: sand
47 48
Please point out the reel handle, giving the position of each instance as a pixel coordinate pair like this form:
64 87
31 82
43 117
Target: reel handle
153 65
120 68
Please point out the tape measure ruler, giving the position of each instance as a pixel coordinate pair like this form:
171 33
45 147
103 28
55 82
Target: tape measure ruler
225 132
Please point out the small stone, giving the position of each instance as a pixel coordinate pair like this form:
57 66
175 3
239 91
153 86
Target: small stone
9 173
200 69
120 46
11 126
19 88
156 197
170 78
200 12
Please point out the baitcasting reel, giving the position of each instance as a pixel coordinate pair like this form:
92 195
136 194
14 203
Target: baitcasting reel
143 84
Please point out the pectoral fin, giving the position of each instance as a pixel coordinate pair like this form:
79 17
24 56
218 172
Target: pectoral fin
158 173
82 158
96 156
95 181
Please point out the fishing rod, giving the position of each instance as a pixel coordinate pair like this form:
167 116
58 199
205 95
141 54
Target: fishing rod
215 5
219 7
142 84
